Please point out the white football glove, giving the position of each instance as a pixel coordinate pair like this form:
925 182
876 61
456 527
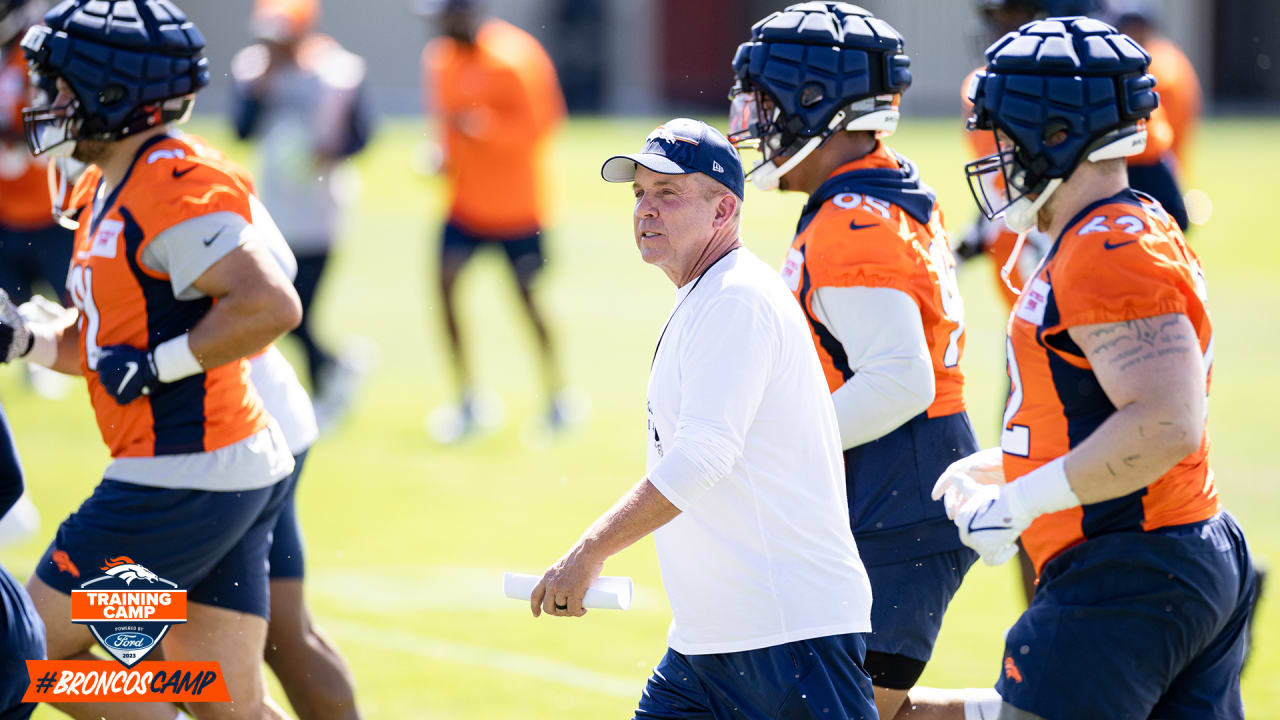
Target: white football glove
990 521
15 336
991 514
40 309
985 467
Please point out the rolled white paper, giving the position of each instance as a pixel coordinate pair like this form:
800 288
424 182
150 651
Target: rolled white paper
606 593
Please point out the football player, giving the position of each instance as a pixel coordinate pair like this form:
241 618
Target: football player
33 248
817 86
497 102
173 290
1145 581
301 95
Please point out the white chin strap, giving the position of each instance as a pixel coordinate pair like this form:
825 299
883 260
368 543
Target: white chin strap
1020 216
767 175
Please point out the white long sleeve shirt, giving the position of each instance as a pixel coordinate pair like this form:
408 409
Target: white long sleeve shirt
883 337
743 439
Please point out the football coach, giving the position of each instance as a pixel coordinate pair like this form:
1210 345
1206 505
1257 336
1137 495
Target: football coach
744 488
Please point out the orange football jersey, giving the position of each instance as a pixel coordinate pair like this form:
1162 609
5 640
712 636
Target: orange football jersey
1119 259
498 103
124 302
24 187
864 240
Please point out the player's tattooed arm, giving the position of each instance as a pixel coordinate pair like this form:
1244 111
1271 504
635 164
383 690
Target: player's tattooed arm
1153 371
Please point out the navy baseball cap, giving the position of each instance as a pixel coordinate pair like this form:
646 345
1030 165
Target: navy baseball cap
679 147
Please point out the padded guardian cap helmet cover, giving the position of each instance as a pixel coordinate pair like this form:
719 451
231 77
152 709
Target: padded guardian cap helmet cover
131 64
808 72
1062 91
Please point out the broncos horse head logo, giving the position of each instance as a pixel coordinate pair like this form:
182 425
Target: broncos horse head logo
124 568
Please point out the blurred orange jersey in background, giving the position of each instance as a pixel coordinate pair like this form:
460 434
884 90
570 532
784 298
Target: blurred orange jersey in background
1180 94
497 103
23 184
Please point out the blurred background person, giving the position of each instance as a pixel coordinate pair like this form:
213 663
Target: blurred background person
34 250
497 101
1176 81
301 96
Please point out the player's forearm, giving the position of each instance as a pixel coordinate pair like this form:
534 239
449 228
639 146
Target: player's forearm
242 323
641 511
56 344
1131 450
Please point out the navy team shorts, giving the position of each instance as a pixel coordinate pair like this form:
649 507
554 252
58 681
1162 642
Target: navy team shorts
910 599
214 545
21 639
287 559
817 678
1136 625
524 252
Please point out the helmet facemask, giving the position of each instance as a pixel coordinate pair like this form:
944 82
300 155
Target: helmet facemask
51 128
756 122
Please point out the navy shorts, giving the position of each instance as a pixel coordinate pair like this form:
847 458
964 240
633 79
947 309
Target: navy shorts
910 600
524 252
214 545
21 639
1136 625
286 540
817 678
28 256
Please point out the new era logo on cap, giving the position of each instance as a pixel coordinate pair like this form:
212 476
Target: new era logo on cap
678 147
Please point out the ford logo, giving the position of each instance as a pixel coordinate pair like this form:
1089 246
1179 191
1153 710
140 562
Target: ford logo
129 641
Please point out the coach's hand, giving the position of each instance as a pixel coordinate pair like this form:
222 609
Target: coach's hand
563 585
15 337
990 521
126 372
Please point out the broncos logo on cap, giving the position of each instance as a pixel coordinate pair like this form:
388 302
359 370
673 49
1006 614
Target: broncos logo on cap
124 568
664 134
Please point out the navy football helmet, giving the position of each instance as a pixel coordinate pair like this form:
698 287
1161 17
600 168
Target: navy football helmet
808 72
131 65
1057 93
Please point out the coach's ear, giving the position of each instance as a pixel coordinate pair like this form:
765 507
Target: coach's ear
726 210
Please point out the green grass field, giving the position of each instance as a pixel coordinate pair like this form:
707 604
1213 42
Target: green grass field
407 541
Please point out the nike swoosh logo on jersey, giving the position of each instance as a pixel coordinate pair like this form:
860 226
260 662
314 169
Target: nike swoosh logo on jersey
1110 246
179 173
209 242
855 226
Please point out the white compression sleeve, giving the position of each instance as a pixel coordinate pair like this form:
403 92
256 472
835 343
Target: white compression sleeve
883 336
